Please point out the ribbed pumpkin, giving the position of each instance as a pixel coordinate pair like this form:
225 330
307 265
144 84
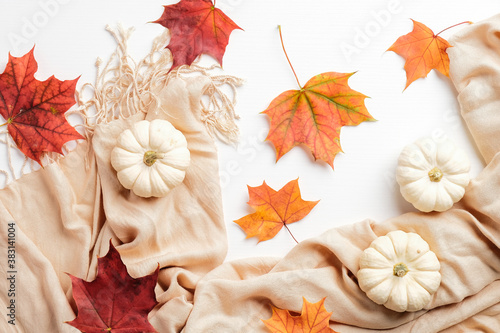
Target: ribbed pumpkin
433 174
151 158
399 271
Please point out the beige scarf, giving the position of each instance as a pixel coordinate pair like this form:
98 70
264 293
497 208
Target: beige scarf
66 214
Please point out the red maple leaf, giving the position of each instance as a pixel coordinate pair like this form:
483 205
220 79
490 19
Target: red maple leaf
34 110
196 27
114 301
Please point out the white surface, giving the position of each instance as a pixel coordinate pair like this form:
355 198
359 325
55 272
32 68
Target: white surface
70 36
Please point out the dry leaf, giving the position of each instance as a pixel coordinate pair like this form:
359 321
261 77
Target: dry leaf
314 319
315 114
423 51
34 110
196 27
274 210
114 301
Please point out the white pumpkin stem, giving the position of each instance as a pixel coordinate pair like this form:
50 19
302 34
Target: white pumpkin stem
150 157
400 270
435 175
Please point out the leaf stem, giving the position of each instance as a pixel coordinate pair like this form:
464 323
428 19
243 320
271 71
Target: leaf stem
290 233
453 27
4 124
286 55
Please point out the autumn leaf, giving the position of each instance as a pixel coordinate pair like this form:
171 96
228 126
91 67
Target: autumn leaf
196 27
114 301
314 319
34 110
274 210
423 51
314 115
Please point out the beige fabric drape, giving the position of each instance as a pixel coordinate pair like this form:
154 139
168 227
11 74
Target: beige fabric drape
66 214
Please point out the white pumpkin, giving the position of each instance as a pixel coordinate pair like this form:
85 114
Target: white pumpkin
151 158
433 175
399 271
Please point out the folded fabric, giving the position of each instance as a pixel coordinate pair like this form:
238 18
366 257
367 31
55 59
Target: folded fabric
66 214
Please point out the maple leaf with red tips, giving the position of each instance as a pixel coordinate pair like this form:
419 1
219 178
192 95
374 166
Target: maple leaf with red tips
114 301
34 110
314 115
314 319
274 210
423 51
196 27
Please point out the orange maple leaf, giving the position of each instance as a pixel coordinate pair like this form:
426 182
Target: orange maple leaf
423 51
314 319
314 115
274 210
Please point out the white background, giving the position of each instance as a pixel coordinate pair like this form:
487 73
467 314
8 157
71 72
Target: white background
70 35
